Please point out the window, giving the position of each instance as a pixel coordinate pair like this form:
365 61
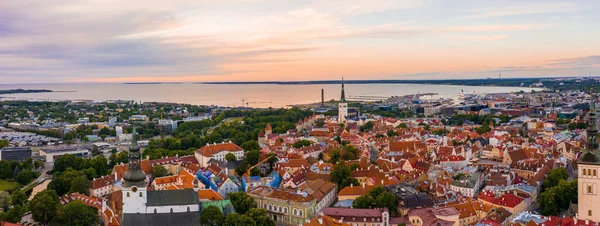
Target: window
155 210
188 209
127 194
171 210
140 194
589 189
300 212
589 172
590 213
584 172
594 172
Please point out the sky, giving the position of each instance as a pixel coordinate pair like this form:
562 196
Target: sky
62 41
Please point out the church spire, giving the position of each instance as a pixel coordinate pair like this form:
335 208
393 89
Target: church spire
343 98
592 127
590 155
134 176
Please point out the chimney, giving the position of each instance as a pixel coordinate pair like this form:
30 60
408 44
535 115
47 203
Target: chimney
320 220
351 185
363 184
322 97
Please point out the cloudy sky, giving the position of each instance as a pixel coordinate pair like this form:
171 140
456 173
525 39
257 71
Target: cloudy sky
253 40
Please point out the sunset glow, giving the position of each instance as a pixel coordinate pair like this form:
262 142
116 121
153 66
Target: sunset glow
257 40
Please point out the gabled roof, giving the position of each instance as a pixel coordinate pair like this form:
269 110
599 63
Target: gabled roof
210 149
172 197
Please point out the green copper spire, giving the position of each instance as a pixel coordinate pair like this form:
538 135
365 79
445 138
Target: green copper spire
134 176
592 127
134 145
343 98
591 153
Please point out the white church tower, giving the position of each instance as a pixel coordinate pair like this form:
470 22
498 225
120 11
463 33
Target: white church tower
342 106
134 181
588 167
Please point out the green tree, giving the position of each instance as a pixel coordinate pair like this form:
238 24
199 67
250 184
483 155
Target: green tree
235 219
340 175
44 206
301 143
230 157
4 143
6 169
59 185
159 171
253 157
250 145
95 150
18 198
67 161
24 177
363 202
242 168
335 156
4 200
81 185
14 214
392 133
548 204
376 191
211 216
241 202
260 216
483 129
554 177
76 213
387 200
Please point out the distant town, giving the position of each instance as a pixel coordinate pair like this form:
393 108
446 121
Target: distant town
519 159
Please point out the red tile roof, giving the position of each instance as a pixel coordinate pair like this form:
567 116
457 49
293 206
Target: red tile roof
210 149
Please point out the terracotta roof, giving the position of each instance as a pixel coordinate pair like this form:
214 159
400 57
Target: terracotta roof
102 181
165 180
209 194
210 149
281 194
295 163
325 221
355 190
349 213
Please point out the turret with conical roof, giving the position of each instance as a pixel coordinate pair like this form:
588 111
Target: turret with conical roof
134 176
590 155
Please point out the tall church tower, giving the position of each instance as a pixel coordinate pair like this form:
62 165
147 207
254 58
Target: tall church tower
342 106
588 166
134 181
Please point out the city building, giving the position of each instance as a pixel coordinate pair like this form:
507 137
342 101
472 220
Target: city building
15 154
285 206
217 152
362 217
588 166
155 207
52 154
138 118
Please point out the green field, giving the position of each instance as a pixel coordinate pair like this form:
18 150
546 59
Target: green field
7 185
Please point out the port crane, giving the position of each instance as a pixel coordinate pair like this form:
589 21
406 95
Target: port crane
261 162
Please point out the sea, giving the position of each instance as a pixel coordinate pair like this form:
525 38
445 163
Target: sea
233 95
